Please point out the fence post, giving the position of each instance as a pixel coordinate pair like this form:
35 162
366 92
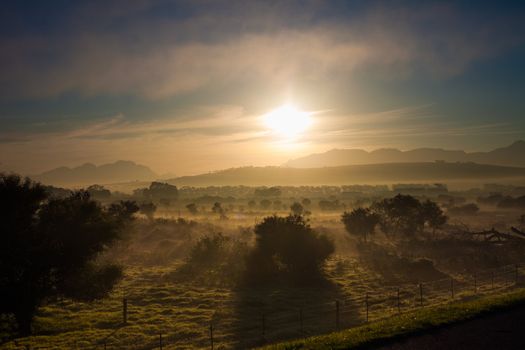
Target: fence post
105 345
516 277
301 320
398 302
211 335
263 325
337 313
421 294
366 302
492 279
160 341
125 310
475 284
452 287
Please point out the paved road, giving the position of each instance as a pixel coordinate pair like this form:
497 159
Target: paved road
505 330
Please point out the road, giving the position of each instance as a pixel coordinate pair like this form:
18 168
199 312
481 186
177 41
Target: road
503 330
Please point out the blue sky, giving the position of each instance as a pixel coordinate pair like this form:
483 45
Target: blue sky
181 86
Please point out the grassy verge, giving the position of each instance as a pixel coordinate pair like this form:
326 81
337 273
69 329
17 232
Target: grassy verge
406 324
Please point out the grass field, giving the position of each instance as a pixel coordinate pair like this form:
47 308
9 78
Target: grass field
182 309
380 332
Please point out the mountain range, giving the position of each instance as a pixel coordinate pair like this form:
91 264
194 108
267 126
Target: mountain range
441 172
343 166
88 174
513 155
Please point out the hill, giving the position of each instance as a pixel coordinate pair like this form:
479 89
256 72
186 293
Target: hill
508 156
87 174
369 173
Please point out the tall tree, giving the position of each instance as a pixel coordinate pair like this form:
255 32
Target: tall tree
360 221
433 215
400 215
297 208
48 247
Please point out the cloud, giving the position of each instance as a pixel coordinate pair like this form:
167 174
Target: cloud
156 58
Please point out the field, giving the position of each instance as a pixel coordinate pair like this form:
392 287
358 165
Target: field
419 322
172 302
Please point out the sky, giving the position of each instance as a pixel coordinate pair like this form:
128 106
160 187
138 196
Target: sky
184 86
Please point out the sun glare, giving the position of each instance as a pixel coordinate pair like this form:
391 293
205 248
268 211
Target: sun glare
287 121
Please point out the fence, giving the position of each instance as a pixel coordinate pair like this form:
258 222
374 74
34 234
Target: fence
276 325
272 325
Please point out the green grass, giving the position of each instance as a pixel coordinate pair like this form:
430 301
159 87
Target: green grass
406 324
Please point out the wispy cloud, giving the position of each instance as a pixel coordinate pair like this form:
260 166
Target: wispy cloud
162 58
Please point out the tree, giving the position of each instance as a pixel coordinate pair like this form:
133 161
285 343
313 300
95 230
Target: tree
265 204
148 209
270 192
287 247
123 211
360 221
297 209
433 215
192 208
217 209
401 214
48 247
99 192
306 202
161 190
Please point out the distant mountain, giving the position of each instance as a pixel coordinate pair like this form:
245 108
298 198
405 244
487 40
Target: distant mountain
87 174
352 174
513 155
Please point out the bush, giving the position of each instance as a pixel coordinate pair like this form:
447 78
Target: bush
208 250
287 248
215 259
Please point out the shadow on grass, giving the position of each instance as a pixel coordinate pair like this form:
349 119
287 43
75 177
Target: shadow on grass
395 269
269 313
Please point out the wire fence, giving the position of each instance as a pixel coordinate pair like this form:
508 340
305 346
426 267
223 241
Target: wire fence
269 325
275 325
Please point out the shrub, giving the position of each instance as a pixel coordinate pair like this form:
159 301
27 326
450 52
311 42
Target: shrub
287 248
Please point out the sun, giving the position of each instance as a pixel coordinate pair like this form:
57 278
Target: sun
287 121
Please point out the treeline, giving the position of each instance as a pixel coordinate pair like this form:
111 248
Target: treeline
504 202
400 216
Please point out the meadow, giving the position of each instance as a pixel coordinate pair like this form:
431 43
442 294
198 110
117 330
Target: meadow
174 301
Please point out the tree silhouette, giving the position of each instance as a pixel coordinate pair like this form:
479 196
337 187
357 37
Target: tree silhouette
297 209
360 221
401 214
192 208
265 204
161 190
433 215
99 192
218 209
123 211
48 247
148 209
306 202
287 247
